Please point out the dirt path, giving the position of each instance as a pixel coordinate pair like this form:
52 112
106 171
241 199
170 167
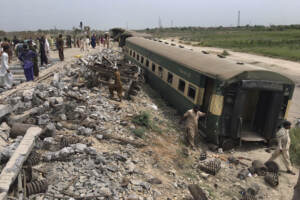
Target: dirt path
289 68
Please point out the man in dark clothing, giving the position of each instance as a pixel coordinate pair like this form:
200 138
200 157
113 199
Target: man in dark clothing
15 41
27 58
69 41
93 41
43 54
60 47
35 59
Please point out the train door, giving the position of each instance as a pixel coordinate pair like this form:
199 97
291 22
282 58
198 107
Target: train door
208 92
255 114
268 111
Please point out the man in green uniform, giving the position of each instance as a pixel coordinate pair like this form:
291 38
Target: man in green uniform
117 86
60 47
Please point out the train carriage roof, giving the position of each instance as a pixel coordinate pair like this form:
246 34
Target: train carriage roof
210 65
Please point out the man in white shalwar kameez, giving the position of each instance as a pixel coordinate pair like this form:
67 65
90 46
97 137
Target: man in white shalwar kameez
47 48
5 76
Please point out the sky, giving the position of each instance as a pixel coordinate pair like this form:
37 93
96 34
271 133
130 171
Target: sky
18 15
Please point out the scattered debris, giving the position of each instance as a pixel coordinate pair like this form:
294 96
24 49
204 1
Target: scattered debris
259 168
272 179
35 187
212 167
197 192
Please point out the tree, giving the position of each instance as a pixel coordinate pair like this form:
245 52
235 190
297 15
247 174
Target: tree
2 33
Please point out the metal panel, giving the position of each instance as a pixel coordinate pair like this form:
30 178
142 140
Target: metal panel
287 109
216 104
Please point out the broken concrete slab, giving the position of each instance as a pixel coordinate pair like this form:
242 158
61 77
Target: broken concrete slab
14 165
4 110
22 117
19 129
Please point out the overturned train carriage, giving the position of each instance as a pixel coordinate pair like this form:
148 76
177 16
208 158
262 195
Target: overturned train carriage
242 102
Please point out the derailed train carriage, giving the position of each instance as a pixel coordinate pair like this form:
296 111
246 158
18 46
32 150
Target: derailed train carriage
242 102
120 35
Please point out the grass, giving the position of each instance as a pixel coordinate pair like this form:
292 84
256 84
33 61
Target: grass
295 146
142 119
139 132
274 41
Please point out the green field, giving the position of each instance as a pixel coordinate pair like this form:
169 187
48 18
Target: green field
274 41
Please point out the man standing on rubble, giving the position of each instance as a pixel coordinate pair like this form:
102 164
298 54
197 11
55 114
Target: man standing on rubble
27 57
5 74
117 86
93 41
106 42
60 47
43 51
191 126
284 141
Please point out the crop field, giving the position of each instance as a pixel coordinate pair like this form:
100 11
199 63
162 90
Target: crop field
275 41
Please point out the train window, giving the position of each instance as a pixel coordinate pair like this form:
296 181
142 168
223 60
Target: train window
192 92
137 57
147 63
170 77
142 59
134 54
160 72
153 67
130 53
181 85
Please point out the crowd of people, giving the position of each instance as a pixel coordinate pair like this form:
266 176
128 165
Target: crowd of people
28 52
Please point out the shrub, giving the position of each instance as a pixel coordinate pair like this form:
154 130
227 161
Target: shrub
295 145
142 119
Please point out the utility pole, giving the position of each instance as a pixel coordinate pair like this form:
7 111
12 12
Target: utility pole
239 19
159 23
